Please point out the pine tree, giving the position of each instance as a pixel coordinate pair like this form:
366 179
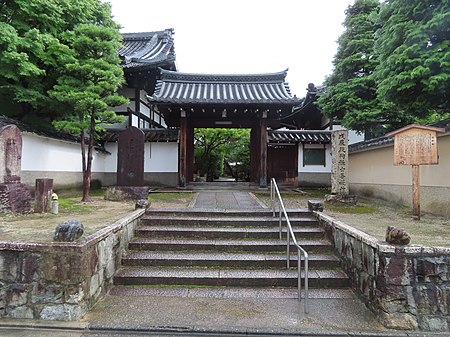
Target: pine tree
89 88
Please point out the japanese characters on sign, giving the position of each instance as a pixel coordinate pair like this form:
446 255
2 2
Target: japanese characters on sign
415 147
339 162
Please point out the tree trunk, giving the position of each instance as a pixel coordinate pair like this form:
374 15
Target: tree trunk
88 161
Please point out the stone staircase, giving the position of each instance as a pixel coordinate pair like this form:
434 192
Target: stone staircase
233 249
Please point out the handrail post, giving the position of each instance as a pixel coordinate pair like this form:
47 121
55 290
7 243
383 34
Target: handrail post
288 250
280 224
299 270
306 284
272 203
275 192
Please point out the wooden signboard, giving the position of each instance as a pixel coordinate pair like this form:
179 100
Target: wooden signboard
416 145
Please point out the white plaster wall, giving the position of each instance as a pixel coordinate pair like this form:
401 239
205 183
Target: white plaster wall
158 157
47 154
161 157
315 168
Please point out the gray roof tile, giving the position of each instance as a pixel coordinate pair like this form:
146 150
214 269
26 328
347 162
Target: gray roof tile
299 136
184 88
149 49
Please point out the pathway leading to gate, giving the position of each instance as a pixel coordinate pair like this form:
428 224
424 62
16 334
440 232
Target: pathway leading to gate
227 200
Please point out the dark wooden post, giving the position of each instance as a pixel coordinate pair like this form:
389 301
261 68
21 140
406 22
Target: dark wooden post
42 195
416 192
182 169
263 155
190 153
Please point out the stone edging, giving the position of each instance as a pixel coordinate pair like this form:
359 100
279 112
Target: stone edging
62 280
381 246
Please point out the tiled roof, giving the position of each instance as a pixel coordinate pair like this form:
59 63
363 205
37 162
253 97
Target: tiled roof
151 135
371 143
299 136
183 88
50 133
150 49
386 141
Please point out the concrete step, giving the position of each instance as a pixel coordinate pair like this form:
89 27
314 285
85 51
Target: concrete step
160 244
214 213
228 277
234 292
265 232
224 221
224 260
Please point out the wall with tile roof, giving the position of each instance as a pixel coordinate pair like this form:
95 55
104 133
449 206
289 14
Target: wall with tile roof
372 172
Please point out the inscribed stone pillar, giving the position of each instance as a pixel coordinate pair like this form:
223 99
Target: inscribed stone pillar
130 161
14 196
339 162
10 154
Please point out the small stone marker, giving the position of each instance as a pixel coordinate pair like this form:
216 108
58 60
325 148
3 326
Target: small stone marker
42 195
14 196
68 231
315 205
397 236
142 203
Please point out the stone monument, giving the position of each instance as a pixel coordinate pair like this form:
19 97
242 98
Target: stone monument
14 196
130 167
339 168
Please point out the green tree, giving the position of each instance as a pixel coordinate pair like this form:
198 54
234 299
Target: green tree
88 88
414 56
350 95
34 50
217 147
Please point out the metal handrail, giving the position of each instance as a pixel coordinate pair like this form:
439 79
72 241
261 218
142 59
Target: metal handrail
290 234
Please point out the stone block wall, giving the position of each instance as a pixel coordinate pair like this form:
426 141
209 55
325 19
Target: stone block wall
407 287
61 281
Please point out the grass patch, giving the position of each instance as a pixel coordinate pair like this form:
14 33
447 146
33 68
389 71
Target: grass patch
169 196
357 209
170 199
71 205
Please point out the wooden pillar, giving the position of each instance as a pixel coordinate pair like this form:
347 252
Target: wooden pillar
254 154
190 153
416 191
182 163
263 155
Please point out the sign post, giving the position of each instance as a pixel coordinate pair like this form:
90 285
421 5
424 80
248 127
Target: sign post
415 145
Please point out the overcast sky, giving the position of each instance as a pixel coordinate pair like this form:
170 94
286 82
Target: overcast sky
244 36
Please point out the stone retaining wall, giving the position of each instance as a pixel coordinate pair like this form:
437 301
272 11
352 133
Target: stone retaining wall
407 287
61 281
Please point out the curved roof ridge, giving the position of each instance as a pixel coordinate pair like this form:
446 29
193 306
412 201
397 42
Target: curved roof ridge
176 76
147 49
147 35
